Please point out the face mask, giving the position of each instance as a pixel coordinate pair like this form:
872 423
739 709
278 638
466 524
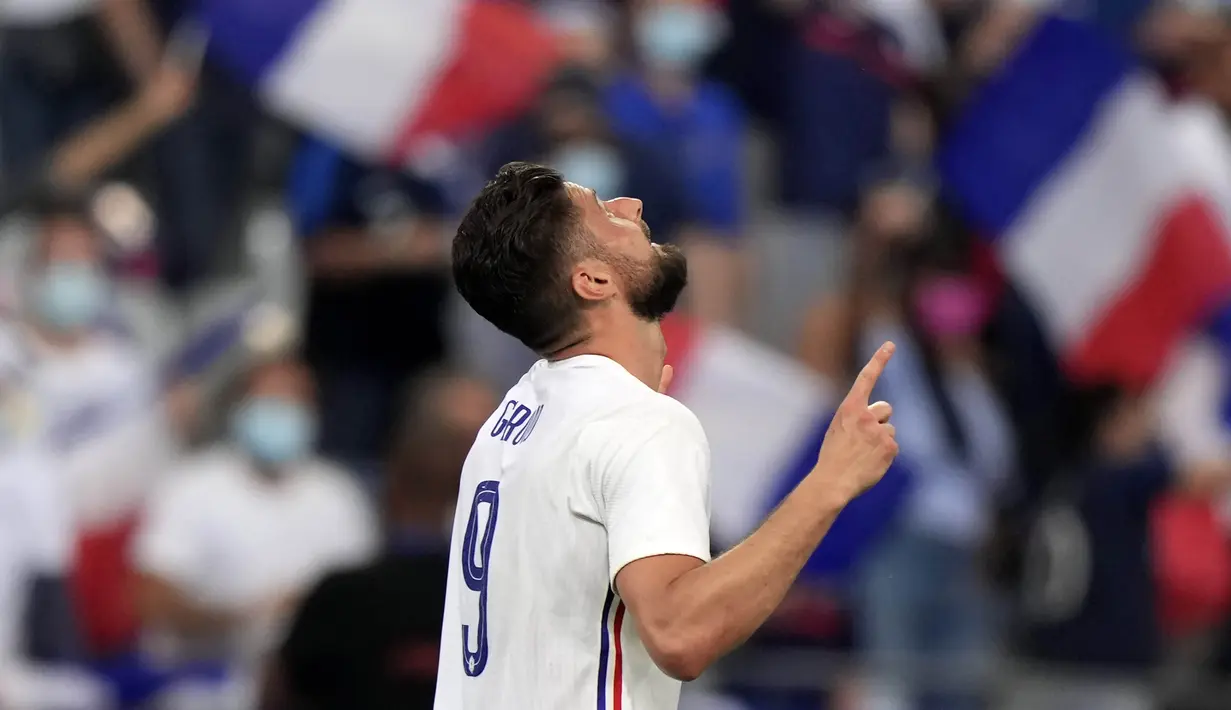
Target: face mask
70 295
591 165
951 306
274 431
677 36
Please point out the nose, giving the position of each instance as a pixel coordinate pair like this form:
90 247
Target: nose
626 207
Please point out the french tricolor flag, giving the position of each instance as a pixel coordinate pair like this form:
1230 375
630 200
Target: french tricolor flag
1073 160
384 77
765 416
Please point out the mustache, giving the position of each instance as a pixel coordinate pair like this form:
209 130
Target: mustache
645 229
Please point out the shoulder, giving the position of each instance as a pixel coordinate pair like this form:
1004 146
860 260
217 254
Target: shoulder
331 485
211 474
635 421
326 476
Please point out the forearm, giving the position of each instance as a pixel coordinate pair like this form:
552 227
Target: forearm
134 35
347 254
102 144
164 606
715 607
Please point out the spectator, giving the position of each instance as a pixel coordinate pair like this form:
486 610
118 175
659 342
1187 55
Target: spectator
695 128
377 294
566 129
203 166
924 607
239 532
832 89
384 656
924 614
569 130
896 211
1089 587
583 31
1208 54
40 648
56 72
97 399
105 141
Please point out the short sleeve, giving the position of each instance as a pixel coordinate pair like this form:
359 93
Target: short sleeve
166 545
651 481
346 512
357 535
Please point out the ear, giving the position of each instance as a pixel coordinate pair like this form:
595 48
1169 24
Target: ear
593 280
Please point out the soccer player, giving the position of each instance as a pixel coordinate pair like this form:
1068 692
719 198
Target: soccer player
580 573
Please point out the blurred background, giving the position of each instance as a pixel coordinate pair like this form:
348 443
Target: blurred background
236 385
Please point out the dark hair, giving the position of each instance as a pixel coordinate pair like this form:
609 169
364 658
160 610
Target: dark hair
936 257
60 204
1088 407
241 381
512 251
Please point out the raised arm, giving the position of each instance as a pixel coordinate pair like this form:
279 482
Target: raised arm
688 612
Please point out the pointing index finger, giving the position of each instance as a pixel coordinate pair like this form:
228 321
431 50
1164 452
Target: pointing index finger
861 391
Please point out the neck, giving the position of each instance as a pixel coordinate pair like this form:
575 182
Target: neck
669 86
636 346
57 340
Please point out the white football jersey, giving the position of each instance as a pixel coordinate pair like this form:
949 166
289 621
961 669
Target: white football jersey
581 470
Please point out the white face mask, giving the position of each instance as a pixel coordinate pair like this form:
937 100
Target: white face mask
678 36
591 165
70 295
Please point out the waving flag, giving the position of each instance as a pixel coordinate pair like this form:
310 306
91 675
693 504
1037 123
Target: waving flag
765 416
1072 160
382 77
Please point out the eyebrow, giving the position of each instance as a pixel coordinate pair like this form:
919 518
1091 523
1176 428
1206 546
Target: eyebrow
594 194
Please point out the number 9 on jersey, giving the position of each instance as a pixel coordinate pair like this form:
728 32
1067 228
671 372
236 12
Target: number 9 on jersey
476 552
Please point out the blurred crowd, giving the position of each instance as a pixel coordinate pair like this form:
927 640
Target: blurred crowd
236 387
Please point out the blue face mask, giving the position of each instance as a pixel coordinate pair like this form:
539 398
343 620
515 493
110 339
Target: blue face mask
274 431
70 295
677 36
591 165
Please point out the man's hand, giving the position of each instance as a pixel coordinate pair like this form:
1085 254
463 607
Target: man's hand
689 614
860 444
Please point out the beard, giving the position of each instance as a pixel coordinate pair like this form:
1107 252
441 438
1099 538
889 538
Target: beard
654 293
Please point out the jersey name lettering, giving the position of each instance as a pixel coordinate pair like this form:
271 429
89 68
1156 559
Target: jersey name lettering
516 422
